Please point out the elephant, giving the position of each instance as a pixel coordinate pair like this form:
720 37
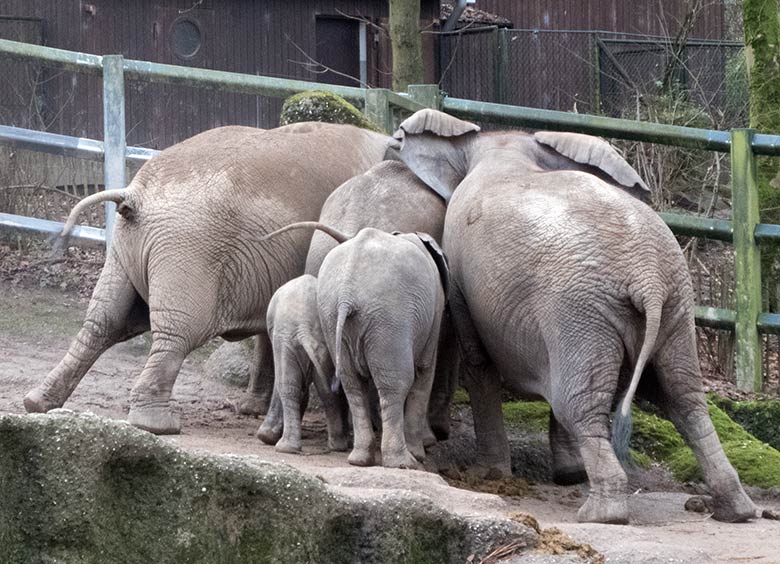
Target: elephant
300 356
380 298
185 261
566 287
391 198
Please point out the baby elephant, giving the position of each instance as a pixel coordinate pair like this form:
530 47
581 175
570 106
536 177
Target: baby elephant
380 298
300 355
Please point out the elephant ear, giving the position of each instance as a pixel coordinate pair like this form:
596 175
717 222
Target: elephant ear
431 143
595 152
439 258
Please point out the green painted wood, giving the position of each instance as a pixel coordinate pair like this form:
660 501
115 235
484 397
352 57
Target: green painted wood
747 261
231 81
594 125
693 226
715 318
377 109
405 102
769 323
48 56
427 95
114 146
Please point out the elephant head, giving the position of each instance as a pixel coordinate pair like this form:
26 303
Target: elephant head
442 150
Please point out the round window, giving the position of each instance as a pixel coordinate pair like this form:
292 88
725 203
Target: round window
186 38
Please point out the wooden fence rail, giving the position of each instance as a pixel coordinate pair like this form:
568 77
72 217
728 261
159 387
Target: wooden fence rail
384 107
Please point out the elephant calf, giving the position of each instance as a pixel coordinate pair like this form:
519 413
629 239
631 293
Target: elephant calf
300 356
381 299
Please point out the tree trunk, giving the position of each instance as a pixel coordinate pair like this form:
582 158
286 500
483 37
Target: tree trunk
406 43
762 41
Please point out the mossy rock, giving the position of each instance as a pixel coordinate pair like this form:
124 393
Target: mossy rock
318 105
756 463
82 488
760 418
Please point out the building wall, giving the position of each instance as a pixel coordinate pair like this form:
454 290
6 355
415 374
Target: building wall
648 17
268 37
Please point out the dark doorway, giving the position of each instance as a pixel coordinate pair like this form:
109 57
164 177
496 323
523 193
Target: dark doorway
338 49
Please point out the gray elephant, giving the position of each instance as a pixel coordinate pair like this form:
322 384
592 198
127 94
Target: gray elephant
565 287
381 298
388 197
185 261
300 357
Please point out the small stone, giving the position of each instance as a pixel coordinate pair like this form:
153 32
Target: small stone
771 514
698 504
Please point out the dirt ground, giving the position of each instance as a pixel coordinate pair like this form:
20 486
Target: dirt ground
36 325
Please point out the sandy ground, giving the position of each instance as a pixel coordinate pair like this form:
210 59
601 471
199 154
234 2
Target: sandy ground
36 326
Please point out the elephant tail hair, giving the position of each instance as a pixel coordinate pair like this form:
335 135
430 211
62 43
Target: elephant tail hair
60 241
621 423
343 312
333 232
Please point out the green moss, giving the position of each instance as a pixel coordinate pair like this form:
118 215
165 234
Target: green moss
460 397
318 105
759 418
530 415
756 463
640 459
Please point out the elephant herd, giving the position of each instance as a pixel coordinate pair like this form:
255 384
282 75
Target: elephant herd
559 283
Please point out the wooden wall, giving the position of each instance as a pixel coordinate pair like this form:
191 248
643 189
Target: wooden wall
268 37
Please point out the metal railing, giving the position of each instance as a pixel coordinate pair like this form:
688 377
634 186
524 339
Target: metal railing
385 107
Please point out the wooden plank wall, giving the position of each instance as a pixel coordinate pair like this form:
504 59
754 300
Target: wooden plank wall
240 36
648 17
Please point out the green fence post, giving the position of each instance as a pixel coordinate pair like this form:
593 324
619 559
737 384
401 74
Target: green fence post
428 95
113 133
377 109
747 260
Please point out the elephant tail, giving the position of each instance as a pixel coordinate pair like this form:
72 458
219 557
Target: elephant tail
621 423
343 312
333 232
116 196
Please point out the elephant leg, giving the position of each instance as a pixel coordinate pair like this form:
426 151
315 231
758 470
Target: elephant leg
364 448
568 466
336 412
393 387
415 414
682 397
483 385
584 374
150 397
270 430
257 399
445 381
291 381
116 313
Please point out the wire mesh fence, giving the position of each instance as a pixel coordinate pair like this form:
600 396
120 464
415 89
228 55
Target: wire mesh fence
598 73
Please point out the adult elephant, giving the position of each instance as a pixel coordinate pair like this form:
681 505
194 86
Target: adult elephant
565 287
185 261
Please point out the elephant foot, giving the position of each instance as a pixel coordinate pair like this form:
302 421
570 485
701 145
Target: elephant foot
252 405
418 451
429 438
569 476
269 434
600 509
157 420
734 509
361 457
38 401
440 429
289 447
338 443
404 460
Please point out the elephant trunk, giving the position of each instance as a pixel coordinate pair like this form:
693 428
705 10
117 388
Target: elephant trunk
116 196
335 233
343 311
621 424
